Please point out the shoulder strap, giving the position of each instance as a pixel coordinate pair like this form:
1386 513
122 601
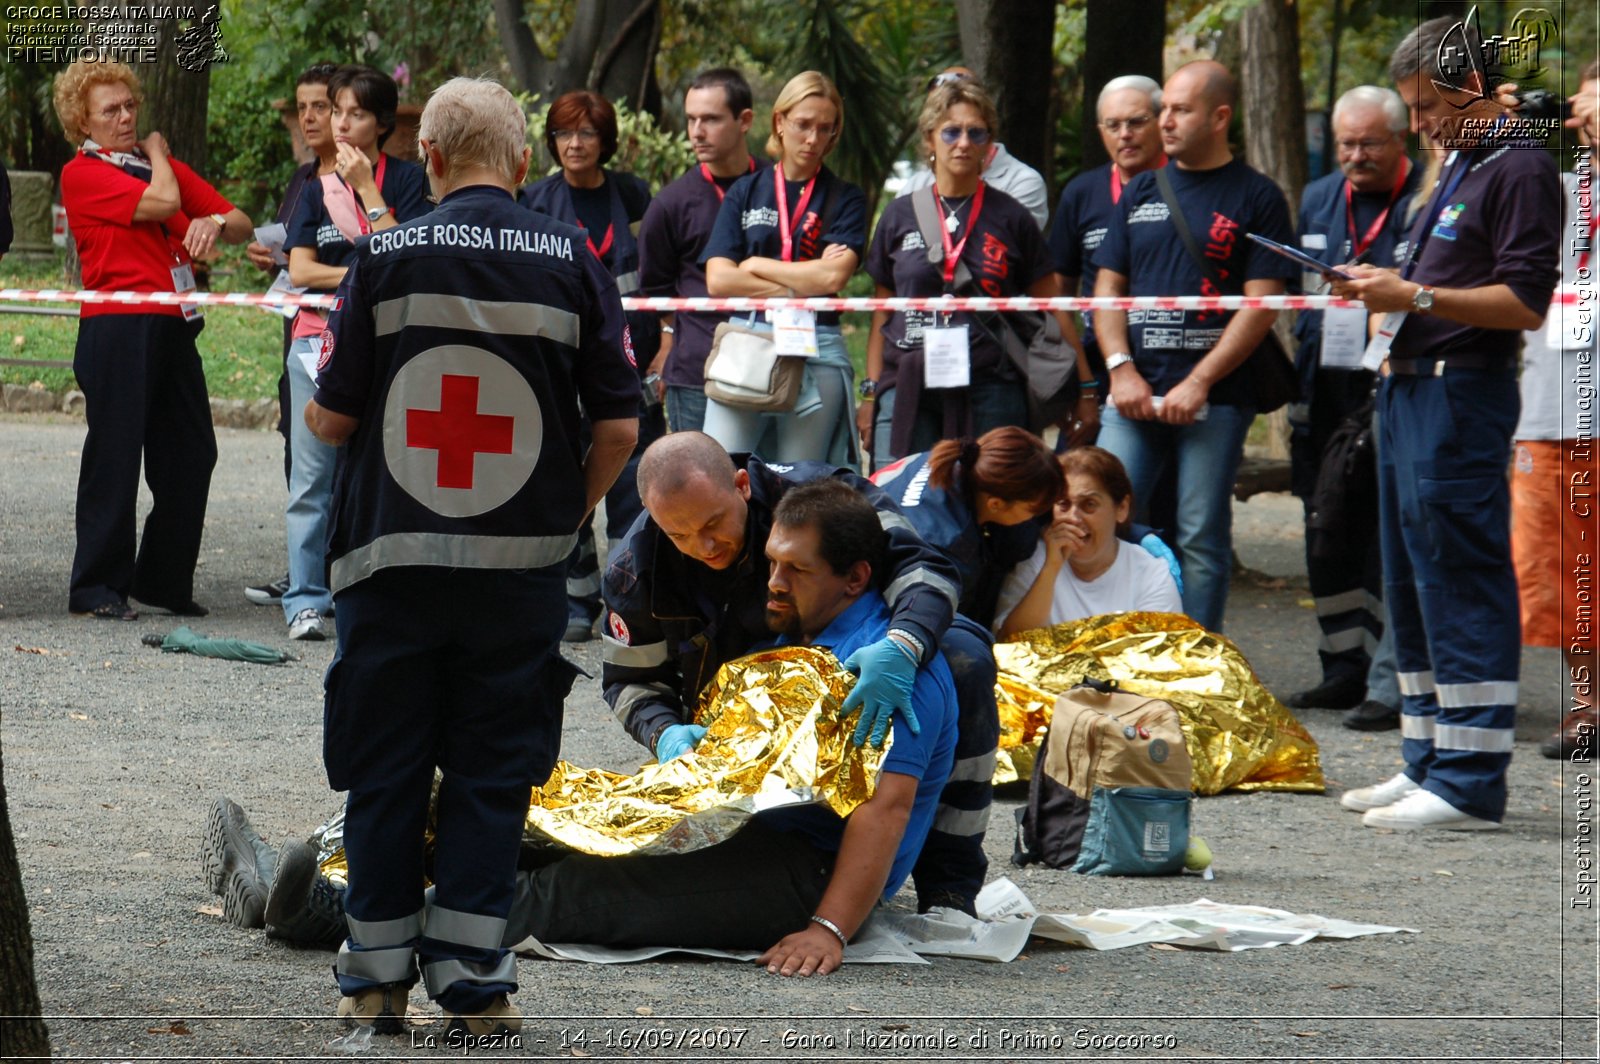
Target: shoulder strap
928 224
1181 224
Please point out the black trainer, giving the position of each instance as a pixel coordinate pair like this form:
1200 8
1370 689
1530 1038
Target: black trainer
1330 694
269 594
1372 715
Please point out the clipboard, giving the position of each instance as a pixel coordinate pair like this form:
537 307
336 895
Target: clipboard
1306 261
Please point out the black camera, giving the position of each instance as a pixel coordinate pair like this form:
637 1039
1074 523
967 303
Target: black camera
1541 106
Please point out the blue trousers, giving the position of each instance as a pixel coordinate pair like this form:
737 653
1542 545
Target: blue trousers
1451 590
952 866
455 670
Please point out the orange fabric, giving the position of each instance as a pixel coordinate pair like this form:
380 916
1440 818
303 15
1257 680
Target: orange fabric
1555 523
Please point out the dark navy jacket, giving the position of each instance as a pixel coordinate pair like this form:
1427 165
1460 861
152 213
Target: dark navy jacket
672 621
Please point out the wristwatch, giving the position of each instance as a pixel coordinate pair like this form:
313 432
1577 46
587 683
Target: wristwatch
374 213
222 222
1121 358
867 388
1422 301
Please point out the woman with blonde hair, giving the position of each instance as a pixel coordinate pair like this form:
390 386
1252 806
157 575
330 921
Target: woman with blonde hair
140 218
794 230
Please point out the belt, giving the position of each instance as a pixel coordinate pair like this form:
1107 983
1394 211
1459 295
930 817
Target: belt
1436 367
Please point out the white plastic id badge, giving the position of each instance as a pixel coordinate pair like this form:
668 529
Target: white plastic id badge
311 357
281 286
1378 346
1344 337
183 281
946 358
794 331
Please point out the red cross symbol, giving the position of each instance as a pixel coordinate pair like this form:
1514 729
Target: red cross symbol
457 431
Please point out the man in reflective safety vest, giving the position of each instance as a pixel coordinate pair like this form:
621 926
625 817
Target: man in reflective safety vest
452 369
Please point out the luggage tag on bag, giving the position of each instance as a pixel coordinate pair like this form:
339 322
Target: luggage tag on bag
946 357
1378 346
183 281
794 331
1344 337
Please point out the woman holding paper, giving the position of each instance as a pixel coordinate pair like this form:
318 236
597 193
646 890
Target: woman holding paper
140 218
931 375
794 230
366 191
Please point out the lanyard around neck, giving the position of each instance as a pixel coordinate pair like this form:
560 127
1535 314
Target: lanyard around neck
1359 247
952 251
705 172
785 231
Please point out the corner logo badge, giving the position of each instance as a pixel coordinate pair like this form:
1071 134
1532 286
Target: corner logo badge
1513 56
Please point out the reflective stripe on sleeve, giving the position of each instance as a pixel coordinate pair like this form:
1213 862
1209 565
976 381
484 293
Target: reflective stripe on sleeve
1417 726
1415 683
465 929
376 934
644 656
442 975
635 695
922 575
1487 693
1482 740
393 965
963 822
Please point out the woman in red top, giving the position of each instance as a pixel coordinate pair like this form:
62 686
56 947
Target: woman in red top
140 218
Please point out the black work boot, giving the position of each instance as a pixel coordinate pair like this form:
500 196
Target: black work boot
303 905
237 863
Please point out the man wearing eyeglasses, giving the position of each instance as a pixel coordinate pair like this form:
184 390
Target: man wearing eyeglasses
1001 169
1356 215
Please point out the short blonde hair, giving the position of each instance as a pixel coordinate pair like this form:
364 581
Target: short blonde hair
475 122
943 97
802 87
71 92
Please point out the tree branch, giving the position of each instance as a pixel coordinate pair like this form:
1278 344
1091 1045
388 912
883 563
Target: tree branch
598 76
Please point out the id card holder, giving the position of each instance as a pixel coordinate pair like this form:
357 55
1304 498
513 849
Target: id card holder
1378 346
794 331
183 281
946 357
1344 337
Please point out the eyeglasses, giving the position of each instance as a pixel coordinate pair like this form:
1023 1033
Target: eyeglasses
949 77
804 129
588 136
110 114
976 135
1134 125
1368 147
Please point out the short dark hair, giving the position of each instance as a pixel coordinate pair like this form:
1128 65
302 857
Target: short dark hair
317 74
574 108
1105 467
1418 54
733 86
374 91
1008 462
848 529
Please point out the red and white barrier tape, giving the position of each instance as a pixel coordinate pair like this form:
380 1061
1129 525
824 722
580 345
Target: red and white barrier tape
739 303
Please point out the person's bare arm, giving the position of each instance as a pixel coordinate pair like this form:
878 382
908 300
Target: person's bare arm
867 409
821 276
1081 425
1493 306
327 426
613 442
1243 335
866 853
161 200
305 271
1130 392
724 278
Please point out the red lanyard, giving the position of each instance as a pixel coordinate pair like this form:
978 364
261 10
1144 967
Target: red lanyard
1116 178
705 172
782 189
605 243
1359 247
952 252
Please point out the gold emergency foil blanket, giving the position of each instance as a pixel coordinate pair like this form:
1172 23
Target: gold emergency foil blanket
773 738
1240 737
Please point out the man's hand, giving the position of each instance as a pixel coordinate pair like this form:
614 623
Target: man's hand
1381 290
260 256
1083 424
677 740
1182 403
887 671
814 951
1130 393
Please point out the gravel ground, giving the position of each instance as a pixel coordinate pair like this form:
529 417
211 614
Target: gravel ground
114 751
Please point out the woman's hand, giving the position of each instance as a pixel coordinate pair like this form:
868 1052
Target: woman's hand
201 238
1063 538
155 145
1082 426
352 165
866 414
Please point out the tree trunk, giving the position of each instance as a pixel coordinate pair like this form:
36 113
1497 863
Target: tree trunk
175 98
1122 37
23 1034
610 47
626 68
1008 43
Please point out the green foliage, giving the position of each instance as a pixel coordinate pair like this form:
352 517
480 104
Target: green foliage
644 149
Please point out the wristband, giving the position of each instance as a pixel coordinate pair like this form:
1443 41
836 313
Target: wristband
669 330
844 943
908 643
1090 385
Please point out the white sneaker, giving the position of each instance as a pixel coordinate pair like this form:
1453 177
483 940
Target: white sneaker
1423 811
1379 795
308 624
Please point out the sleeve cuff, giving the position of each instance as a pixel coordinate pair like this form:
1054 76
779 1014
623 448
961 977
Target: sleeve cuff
339 404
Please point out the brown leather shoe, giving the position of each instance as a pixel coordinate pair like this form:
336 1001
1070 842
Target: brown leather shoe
1577 732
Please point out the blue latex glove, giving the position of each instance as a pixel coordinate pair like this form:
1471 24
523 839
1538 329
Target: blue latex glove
1158 547
887 674
678 740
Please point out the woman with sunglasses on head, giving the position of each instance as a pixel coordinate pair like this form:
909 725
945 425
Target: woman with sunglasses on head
794 230
958 236
358 190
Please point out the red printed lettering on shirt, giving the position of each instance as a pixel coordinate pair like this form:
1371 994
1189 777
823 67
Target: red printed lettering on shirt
1220 240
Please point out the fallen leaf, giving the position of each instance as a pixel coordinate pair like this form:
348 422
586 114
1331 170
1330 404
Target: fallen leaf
1165 946
1305 1034
644 1010
894 1027
113 808
177 1027
857 1008
1443 872
1063 968
209 910
77 716
1340 986
579 1053
43 651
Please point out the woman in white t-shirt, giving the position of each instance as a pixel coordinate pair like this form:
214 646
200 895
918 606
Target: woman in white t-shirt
1081 567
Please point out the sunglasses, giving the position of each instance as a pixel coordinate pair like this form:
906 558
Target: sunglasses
976 135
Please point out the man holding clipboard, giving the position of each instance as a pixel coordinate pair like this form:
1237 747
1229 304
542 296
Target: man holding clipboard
1356 215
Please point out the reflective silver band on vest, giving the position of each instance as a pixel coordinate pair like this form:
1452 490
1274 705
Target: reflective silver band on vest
1481 740
1487 693
393 965
891 521
438 311
450 551
963 822
1417 726
1415 683
920 575
978 769
645 656
442 975
627 283
465 929
375 934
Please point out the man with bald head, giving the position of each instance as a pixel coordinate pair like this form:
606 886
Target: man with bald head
1178 396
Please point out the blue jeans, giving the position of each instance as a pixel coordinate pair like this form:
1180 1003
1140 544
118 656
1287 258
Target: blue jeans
993 403
1207 454
795 436
686 408
310 497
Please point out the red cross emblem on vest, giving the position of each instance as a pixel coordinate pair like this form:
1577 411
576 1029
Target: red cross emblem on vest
457 431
